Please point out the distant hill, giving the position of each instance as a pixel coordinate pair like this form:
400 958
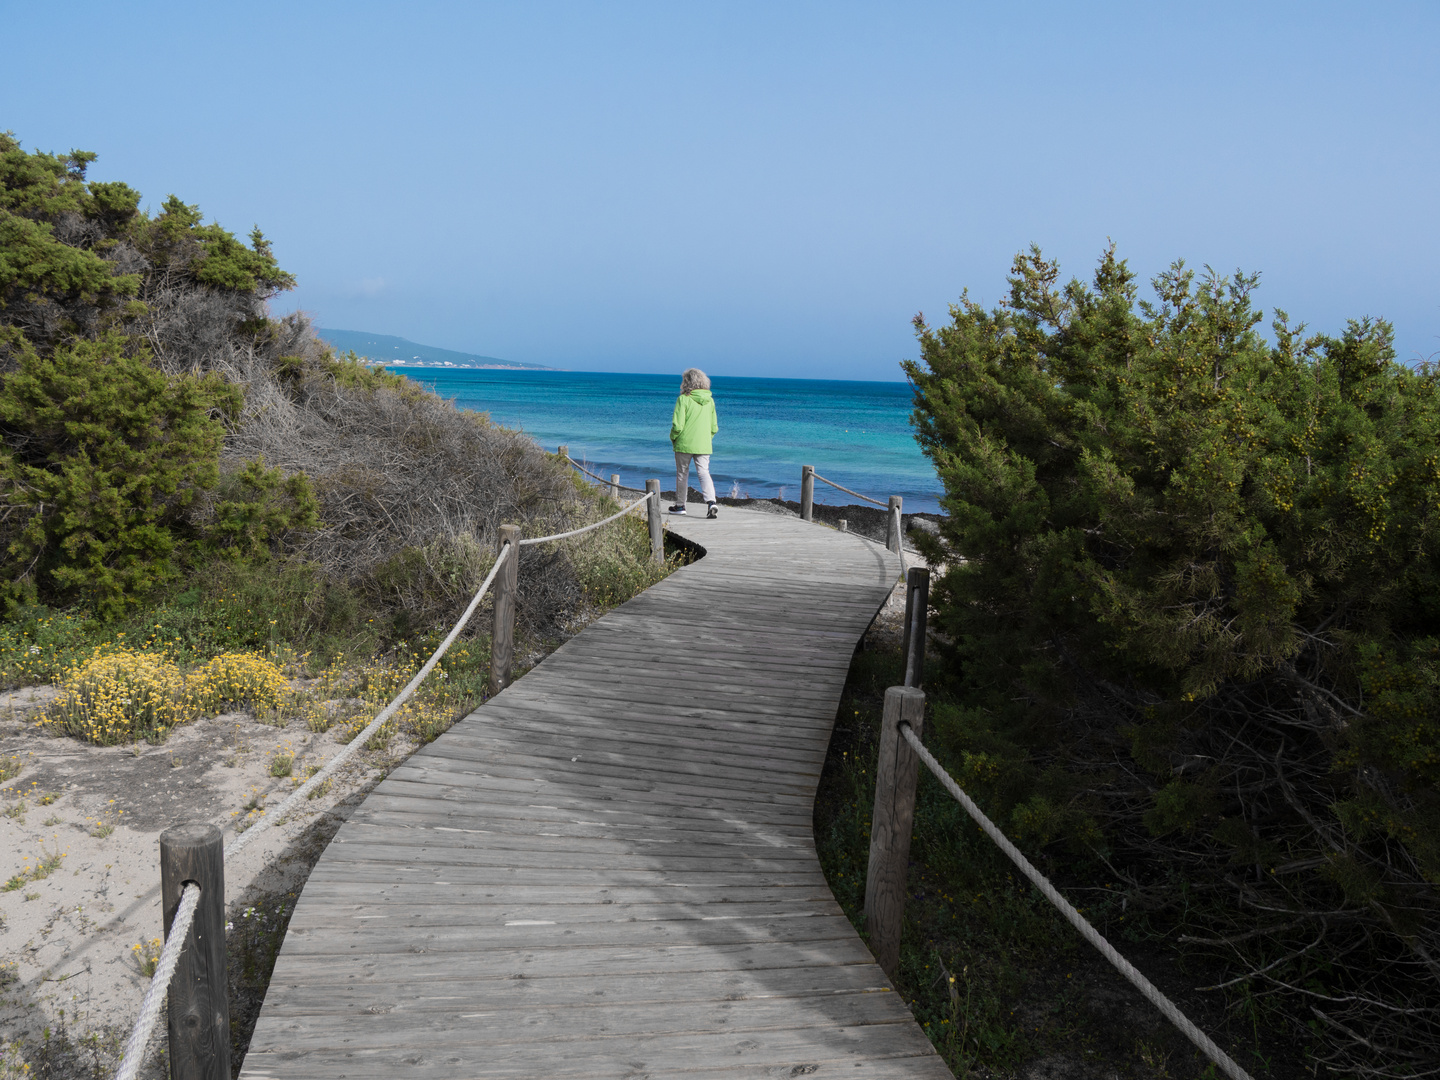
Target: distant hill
398 352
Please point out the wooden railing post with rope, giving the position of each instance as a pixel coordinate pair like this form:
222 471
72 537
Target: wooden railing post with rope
896 773
917 607
894 522
651 490
199 1012
657 535
896 777
890 825
893 530
502 637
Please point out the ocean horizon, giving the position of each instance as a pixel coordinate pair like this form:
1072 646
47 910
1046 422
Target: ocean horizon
855 433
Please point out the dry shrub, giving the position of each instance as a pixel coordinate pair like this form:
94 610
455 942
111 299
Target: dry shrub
411 488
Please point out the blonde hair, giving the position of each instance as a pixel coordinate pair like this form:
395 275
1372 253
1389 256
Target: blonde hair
694 379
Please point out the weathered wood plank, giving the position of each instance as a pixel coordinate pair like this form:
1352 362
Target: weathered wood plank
713 966
341 995
658 1055
338 933
564 774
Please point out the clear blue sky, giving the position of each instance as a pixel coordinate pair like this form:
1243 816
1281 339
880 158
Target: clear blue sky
759 189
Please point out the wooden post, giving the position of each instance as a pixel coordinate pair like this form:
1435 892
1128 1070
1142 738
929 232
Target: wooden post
199 1014
893 539
565 452
890 826
807 492
615 486
502 639
917 609
657 536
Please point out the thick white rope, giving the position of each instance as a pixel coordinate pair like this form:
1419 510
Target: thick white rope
602 480
134 1054
900 539
359 740
587 528
1088 932
847 491
881 543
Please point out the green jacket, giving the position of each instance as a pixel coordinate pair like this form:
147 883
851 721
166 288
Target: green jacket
694 422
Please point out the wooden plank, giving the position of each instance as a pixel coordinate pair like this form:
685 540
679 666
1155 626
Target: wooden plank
781 736
532 1022
712 966
658 1055
376 868
558 851
438 792
480 854
563 774
500 989
636 753
478 748
368 940
454 908
548 720
620 821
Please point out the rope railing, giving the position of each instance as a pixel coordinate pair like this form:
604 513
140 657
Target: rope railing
1151 992
351 748
607 483
895 526
847 491
134 1053
595 525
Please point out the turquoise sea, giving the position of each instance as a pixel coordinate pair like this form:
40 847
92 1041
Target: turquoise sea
856 433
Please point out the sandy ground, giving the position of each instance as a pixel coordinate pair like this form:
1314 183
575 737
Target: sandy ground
66 939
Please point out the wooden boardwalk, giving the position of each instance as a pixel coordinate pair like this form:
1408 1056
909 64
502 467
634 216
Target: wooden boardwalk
608 870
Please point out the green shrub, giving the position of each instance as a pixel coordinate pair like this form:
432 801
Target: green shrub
1199 576
257 506
106 453
107 433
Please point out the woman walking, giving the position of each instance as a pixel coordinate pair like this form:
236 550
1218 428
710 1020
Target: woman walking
691 428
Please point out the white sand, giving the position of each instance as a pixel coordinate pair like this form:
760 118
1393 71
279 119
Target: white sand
65 940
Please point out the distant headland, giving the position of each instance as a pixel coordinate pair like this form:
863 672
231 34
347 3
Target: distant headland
398 352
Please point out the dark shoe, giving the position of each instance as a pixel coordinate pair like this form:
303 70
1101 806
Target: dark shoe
713 512
678 508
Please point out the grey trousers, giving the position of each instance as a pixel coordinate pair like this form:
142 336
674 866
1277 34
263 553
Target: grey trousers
682 476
